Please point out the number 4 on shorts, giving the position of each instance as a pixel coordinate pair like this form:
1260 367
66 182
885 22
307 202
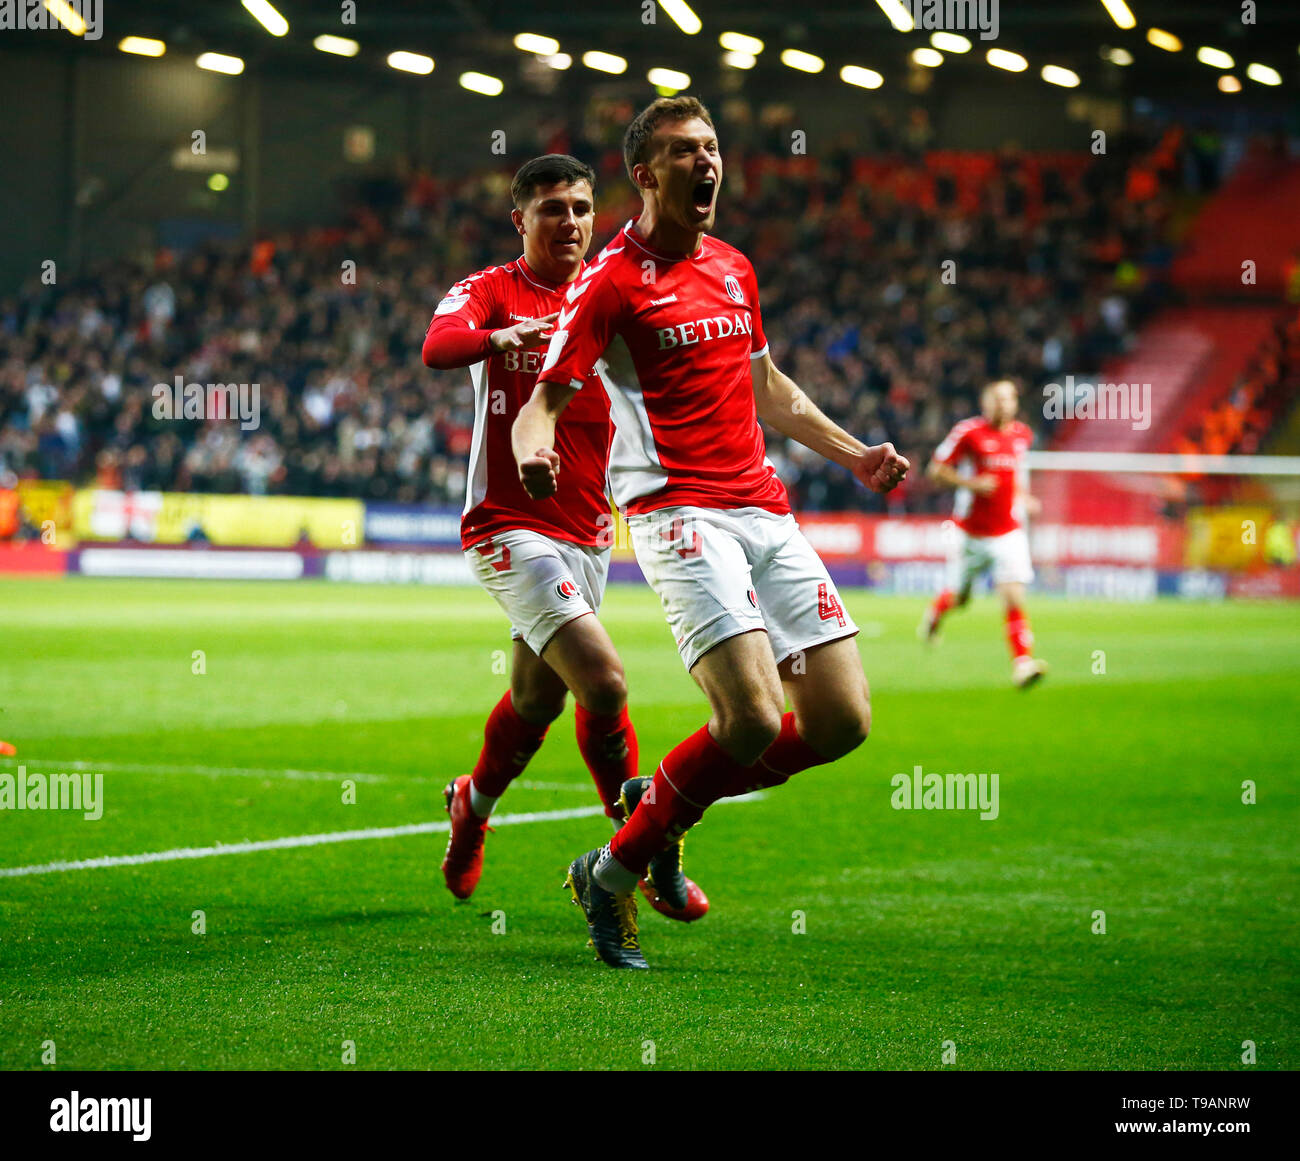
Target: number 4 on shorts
828 605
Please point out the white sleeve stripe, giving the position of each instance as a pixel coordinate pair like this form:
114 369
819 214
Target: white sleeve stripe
759 354
954 437
575 382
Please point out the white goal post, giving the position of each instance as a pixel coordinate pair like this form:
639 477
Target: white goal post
1165 464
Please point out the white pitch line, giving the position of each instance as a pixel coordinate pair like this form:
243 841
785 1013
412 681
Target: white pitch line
254 772
301 840
207 771
304 840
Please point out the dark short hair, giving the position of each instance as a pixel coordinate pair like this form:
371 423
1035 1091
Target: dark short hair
549 169
636 141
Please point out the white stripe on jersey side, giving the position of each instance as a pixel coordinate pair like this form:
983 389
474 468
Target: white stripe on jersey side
634 465
476 482
962 497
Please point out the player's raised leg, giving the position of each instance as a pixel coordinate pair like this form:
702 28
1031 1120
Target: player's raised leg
830 714
744 689
583 655
748 743
739 676
812 637
740 680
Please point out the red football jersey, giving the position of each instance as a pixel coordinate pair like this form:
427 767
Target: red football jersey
671 338
978 448
495 500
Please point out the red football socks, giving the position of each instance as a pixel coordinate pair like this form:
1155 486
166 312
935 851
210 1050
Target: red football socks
780 761
691 778
508 744
1019 636
608 745
942 603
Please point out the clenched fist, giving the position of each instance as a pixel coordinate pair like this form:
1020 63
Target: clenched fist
539 473
882 468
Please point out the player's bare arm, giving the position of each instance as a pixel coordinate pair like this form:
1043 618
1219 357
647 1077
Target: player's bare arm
949 477
533 438
782 404
1032 504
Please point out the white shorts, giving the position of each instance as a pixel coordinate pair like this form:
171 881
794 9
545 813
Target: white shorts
542 584
723 572
1007 556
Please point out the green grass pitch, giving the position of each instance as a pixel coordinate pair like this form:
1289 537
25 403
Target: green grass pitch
1120 792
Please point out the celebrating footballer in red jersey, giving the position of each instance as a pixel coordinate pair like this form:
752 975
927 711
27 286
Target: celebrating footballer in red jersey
983 458
545 562
669 318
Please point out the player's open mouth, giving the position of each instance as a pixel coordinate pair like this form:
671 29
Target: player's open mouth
702 196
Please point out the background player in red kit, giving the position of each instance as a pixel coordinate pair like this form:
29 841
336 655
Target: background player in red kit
984 458
545 563
669 317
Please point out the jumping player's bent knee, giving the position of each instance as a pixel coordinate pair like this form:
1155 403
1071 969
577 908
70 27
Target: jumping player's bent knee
840 732
746 732
538 706
605 693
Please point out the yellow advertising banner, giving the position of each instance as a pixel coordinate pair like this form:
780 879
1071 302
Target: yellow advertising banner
44 500
245 521
1226 538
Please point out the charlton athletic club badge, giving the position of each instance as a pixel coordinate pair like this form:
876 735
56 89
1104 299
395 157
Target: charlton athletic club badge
732 283
567 589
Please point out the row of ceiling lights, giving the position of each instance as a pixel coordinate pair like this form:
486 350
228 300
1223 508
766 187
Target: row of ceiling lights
741 52
1216 58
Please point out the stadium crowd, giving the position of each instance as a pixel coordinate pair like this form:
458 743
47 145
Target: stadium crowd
1238 424
894 280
